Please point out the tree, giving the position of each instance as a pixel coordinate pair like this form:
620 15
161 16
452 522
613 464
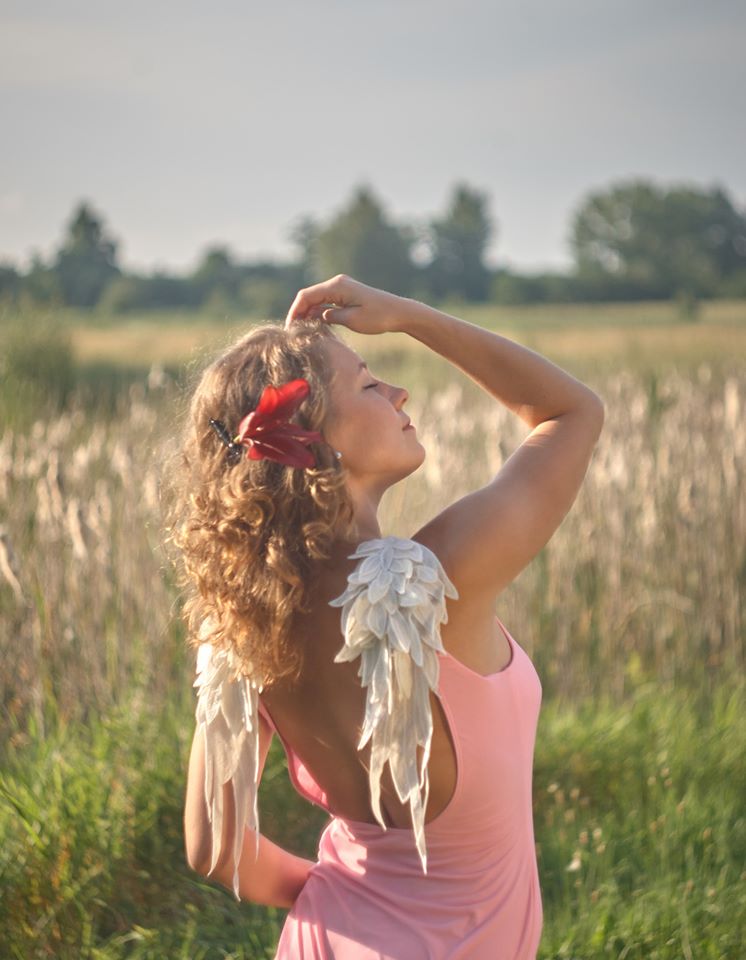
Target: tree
361 242
10 283
86 262
458 242
154 292
217 276
42 283
304 233
660 242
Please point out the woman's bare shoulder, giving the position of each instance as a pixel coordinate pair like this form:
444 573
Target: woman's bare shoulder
487 537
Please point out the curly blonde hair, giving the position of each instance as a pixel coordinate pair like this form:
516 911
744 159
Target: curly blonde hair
248 535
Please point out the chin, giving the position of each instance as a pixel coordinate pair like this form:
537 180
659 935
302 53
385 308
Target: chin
417 460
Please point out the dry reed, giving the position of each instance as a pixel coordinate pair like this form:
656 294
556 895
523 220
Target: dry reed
642 580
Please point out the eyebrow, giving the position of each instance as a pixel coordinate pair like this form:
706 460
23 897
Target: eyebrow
361 365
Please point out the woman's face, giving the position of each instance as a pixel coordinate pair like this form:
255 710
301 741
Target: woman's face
367 422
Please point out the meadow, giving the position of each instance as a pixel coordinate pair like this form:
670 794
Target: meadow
633 615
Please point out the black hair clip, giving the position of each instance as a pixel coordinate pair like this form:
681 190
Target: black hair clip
234 449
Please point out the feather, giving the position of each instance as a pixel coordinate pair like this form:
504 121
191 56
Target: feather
227 718
392 608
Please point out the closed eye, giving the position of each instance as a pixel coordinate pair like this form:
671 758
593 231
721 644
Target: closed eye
371 385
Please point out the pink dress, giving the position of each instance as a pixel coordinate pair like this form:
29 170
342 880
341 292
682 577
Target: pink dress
367 898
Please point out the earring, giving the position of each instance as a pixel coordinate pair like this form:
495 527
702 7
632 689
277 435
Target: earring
338 454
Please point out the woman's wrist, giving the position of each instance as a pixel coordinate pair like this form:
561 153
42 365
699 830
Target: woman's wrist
414 317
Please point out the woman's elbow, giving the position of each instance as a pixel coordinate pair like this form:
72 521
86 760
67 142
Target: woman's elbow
197 859
197 848
595 412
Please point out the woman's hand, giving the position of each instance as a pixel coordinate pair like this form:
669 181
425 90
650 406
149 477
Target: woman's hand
349 303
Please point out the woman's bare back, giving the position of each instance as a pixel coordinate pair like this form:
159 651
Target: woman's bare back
320 717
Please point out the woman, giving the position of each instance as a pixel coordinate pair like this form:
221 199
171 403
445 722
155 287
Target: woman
429 852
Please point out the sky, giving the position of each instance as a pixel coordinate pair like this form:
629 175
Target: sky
189 124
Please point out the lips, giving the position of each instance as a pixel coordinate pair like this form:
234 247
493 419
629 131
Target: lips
407 424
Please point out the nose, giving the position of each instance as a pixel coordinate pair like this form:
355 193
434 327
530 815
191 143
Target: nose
400 396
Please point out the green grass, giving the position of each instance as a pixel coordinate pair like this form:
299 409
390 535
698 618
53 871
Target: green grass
92 856
649 797
645 804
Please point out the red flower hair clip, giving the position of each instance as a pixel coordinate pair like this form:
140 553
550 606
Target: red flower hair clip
267 433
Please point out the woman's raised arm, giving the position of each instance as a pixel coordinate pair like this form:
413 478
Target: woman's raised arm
486 538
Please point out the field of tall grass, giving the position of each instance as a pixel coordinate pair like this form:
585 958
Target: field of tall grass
633 615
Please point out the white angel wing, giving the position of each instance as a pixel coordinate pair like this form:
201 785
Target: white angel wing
392 609
227 716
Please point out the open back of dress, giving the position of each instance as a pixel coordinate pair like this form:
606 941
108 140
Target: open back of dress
464 886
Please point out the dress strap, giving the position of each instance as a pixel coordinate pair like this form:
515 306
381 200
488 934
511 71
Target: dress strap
262 708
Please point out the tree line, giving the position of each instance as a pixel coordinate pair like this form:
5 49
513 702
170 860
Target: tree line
634 240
